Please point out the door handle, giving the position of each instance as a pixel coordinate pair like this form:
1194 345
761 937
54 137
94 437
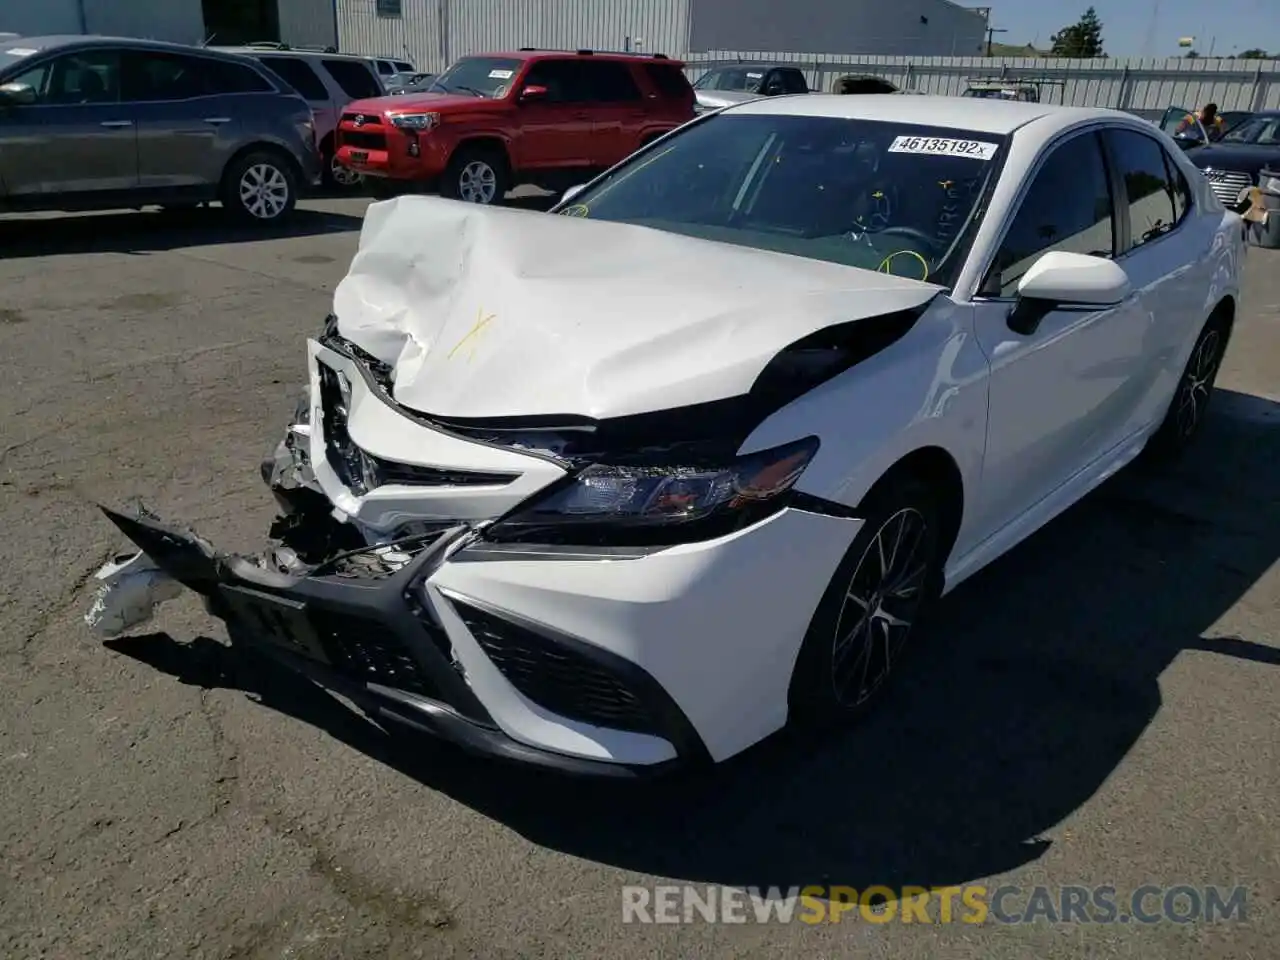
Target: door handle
217 121
116 123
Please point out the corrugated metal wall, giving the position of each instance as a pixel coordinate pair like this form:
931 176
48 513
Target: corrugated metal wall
899 27
1145 86
307 22
652 26
436 32
415 34
180 21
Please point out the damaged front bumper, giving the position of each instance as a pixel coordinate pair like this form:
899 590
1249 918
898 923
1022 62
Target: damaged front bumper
360 624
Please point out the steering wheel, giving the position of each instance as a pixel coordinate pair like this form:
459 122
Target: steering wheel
910 233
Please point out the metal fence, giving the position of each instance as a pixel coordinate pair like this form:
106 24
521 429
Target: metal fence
1145 86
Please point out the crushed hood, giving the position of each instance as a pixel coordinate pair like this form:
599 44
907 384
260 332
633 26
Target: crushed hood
499 312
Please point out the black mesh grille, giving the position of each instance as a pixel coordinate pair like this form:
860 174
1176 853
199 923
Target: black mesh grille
365 650
559 679
363 141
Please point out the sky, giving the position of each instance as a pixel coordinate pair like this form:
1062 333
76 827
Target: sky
1146 28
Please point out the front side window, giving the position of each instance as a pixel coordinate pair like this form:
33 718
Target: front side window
873 194
793 81
88 77
479 76
1067 207
565 80
1141 162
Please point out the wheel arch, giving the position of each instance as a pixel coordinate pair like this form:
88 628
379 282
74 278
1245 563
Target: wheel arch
266 146
936 468
485 141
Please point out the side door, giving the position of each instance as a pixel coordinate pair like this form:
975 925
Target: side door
555 128
1166 254
615 105
1060 392
187 114
78 137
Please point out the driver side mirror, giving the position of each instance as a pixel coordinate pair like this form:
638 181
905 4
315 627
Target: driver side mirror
1067 281
17 95
533 93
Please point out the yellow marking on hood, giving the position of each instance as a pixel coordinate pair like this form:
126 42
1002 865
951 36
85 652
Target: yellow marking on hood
482 321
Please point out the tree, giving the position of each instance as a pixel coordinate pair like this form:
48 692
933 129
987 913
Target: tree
1082 39
1255 54
1191 54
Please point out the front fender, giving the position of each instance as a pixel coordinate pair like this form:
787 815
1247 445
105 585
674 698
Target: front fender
928 389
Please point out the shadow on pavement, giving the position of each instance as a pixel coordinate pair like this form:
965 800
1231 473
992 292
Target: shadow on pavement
152 231
1041 675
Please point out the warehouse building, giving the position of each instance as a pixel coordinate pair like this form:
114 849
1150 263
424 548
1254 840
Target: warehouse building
432 33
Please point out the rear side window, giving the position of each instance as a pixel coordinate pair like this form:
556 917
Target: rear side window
224 77
403 67
669 81
1067 207
1181 189
356 80
297 74
152 77
385 68
1141 162
608 81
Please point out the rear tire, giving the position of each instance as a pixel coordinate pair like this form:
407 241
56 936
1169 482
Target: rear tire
1182 423
260 188
476 175
873 608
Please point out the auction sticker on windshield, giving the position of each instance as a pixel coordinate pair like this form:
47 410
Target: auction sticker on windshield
944 147
500 74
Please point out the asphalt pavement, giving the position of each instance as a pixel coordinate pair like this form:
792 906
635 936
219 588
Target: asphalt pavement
1099 708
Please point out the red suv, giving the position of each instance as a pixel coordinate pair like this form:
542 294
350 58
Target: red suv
491 122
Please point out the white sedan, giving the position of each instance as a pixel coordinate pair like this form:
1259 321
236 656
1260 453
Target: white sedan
634 487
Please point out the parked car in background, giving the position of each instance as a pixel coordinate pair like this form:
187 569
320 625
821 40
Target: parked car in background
417 83
494 121
98 122
328 82
724 86
1236 161
394 74
629 489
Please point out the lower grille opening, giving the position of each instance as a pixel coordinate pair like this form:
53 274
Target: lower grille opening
367 651
363 141
556 677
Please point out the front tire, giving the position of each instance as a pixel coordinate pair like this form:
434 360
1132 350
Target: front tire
260 188
337 177
1183 421
885 586
476 175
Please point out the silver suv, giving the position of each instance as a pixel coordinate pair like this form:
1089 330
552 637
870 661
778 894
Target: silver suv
97 123
328 82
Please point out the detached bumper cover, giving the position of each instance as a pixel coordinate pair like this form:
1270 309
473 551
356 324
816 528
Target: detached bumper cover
361 626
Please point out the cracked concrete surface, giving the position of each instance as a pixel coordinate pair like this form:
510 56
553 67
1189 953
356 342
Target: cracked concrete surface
1099 708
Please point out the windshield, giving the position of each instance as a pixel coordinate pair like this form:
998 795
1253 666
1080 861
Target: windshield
1264 131
879 195
744 79
12 52
479 76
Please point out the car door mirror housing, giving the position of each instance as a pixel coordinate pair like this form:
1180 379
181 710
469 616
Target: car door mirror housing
17 95
1061 280
533 93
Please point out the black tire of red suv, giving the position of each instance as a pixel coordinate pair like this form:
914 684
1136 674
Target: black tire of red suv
476 174
260 187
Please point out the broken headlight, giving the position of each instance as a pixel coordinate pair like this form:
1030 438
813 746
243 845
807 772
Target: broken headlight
627 504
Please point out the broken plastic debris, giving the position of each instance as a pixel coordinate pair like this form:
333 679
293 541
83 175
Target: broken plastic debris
131 589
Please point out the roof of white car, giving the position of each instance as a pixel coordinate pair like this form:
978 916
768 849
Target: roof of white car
960 113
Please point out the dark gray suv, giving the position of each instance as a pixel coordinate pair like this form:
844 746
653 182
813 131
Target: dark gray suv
100 122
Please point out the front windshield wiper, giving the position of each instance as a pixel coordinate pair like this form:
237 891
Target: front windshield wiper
473 90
